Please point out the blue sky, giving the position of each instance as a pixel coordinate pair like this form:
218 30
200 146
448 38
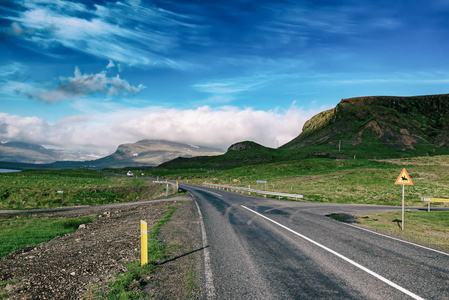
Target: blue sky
96 74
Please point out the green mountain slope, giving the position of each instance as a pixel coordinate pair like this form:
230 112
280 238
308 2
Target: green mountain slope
243 153
398 123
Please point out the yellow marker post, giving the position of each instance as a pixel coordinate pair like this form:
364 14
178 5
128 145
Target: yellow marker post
143 243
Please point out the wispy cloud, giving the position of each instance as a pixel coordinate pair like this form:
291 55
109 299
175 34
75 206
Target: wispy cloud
224 87
143 37
342 19
232 86
79 86
170 34
11 70
409 79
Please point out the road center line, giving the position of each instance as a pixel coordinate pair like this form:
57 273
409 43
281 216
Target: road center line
405 291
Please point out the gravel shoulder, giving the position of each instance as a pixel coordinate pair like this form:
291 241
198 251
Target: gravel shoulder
79 264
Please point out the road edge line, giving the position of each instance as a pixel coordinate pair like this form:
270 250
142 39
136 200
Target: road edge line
385 280
210 288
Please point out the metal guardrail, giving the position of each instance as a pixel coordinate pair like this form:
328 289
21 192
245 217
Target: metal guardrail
235 188
429 199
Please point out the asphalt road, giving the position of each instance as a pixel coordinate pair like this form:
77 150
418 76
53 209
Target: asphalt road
267 249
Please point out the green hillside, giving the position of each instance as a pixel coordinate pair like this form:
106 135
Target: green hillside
400 124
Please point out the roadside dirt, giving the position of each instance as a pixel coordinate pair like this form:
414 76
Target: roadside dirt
80 264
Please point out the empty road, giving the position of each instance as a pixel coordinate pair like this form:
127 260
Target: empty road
267 249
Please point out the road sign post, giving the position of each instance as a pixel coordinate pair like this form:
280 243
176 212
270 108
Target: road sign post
403 179
403 206
261 181
62 197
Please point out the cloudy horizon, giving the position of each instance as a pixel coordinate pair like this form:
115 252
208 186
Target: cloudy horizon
204 126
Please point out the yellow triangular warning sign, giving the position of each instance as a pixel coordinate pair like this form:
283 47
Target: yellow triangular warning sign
404 178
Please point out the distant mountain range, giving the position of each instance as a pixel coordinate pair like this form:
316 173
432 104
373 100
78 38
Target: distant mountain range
20 152
152 153
142 153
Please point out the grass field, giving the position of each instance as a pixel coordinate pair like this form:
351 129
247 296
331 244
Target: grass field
39 188
326 180
426 228
354 181
17 232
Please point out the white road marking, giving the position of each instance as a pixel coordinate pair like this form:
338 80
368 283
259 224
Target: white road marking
210 288
218 195
405 291
396 239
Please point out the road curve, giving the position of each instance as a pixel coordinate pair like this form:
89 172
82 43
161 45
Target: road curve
267 249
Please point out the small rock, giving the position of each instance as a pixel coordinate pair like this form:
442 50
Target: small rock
82 226
73 273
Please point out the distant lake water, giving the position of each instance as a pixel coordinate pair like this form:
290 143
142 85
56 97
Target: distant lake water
8 170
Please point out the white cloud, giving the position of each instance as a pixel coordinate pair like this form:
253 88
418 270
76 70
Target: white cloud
22 129
110 65
103 132
80 86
